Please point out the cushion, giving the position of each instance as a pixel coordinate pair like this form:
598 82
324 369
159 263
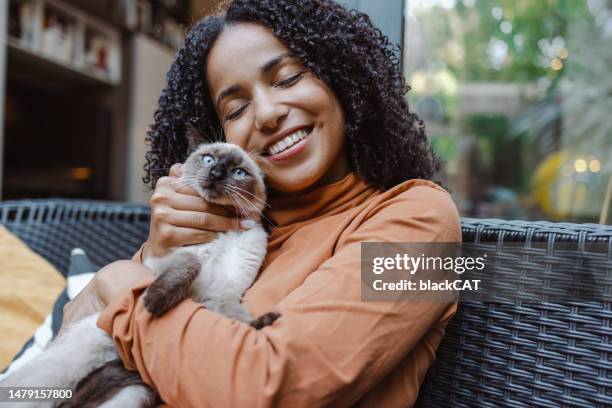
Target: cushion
29 287
79 274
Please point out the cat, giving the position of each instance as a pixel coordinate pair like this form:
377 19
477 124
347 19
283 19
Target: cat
216 274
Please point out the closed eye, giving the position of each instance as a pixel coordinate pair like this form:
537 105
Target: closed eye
236 112
291 80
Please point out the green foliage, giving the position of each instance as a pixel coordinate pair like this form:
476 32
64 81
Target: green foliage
587 104
462 36
445 146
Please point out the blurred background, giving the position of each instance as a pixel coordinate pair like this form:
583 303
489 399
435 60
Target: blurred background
516 95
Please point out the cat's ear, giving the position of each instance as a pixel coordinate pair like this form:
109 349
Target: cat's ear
194 138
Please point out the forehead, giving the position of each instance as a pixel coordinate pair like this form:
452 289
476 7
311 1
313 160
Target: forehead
238 54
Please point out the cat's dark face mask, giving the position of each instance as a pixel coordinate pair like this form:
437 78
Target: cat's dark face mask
224 174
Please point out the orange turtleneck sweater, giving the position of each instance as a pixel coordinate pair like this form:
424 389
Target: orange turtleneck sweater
328 348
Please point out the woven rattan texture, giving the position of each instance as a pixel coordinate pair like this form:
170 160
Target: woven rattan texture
520 355
526 354
107 231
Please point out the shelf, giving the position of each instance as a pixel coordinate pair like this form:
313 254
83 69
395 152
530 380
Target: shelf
102 9
32 64
65 41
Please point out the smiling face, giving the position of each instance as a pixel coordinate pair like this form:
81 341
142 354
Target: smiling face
269 102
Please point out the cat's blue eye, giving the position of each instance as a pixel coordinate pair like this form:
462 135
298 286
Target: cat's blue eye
240 172
208 160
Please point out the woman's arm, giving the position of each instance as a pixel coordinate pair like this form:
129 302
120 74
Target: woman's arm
327 348
178 217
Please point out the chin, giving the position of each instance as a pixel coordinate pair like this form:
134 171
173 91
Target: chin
215 197
295 181
292 187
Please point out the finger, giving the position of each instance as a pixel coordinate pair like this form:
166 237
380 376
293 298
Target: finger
176 170
188 236
202 220
175 184
185 202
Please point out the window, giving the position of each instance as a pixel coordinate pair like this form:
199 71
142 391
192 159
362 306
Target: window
517 99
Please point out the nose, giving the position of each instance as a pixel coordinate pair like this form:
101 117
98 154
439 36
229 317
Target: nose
218 172
268 111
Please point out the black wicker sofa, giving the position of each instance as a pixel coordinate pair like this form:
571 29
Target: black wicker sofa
494 354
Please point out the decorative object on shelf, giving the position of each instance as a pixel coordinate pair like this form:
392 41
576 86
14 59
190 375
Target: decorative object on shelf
61 34
169 19
100 54
129 13
145 17
58 36
173 35
21 22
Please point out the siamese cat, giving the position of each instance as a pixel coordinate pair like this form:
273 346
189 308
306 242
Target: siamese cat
216 274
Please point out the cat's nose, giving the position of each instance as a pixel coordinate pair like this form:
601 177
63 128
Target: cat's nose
218 172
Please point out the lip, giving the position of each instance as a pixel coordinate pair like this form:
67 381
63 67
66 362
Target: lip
281 135
293 150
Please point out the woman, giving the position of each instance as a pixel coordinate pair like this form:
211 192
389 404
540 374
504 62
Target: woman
357 170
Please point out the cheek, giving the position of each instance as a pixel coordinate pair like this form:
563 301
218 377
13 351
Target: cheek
202 173
321 101
237 132
245 184
314 96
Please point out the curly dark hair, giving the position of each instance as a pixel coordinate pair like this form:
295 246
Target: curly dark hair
386 143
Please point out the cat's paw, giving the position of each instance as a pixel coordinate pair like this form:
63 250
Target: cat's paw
265 320
173 283
158 299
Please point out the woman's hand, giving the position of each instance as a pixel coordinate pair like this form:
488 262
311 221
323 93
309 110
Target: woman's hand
104 286
179 217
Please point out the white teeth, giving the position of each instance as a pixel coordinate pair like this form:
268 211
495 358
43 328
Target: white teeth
287 142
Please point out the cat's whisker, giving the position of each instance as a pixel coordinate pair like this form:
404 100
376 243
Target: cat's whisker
232 188
255 154
220 138
251 194
246 204
187 179
183 179
257 210
190 179
194 184
184 182
243 213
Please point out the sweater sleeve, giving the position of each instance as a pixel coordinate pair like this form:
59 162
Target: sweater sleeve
327 348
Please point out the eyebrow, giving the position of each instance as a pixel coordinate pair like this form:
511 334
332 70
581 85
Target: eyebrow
263 69
274 62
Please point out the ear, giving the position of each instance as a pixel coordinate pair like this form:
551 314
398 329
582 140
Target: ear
194 138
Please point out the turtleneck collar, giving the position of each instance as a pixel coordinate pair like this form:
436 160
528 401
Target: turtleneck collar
324 201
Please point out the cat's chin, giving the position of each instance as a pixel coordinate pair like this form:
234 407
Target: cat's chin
215 197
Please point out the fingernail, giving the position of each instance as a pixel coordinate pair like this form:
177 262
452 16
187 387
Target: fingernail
247 224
